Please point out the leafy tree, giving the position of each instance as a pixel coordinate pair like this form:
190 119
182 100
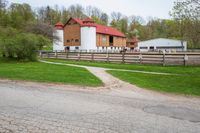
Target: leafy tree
186 14
20 14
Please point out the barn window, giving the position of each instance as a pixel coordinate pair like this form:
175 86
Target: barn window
77 48
104 39
68 41
76 40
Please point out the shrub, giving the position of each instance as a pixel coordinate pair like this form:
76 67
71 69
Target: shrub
23 46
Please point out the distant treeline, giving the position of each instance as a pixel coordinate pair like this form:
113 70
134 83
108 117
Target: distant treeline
185 24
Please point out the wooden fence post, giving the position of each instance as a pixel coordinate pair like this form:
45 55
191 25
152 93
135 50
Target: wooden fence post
123 59
92 56
67 55
56 54
185 59
108 57
140 58
163 59
47 54
79 56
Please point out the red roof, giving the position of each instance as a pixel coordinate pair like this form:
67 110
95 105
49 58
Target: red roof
133 40
102 29
59 25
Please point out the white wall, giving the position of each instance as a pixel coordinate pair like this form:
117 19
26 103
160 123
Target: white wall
168 44
58 45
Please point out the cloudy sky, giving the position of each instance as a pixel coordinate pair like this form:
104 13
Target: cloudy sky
144 8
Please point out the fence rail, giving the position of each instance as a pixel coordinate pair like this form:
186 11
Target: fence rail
186 58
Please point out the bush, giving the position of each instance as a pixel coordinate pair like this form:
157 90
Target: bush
26 46
23 46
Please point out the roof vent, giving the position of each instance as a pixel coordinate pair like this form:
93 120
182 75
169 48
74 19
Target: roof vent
88 21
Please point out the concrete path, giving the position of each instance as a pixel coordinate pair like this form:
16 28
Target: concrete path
159 73
118 107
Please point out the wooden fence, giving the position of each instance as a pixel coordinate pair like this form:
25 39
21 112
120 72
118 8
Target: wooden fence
142 58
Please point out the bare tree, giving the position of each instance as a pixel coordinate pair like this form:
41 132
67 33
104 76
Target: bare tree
116 16
76 11
41 29
3 4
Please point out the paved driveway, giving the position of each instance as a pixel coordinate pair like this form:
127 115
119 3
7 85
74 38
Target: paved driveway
33 107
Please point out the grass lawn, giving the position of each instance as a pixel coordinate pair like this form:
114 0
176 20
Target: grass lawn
36 71
179 84
188 82
190 70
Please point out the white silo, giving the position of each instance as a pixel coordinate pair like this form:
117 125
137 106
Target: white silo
58 44
88 35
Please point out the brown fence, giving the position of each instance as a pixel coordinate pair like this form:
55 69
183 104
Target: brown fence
142 58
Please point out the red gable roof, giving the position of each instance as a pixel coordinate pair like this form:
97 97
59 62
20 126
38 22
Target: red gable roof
102 29
133 40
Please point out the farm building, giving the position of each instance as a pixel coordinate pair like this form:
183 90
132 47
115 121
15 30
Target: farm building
162 44
85 34
132 43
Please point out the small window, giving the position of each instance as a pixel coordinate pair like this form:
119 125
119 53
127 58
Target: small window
76 40
77 48
104 39
143 47
68 41
151 47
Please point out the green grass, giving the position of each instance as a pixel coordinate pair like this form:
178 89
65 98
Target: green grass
178 84
36 71
187 82
194 70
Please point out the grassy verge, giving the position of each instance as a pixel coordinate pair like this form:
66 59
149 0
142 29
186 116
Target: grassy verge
179 84
194 70
36 71
188 82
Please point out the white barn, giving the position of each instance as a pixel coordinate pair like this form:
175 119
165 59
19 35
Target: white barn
162 44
